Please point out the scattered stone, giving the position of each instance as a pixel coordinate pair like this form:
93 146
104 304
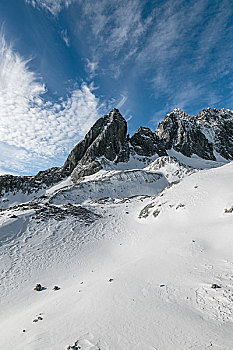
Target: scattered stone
193 241
126 212
110 280
215 286
13 216
38 287
162 285
56 288
180 206
24 330
144 213
36 320
156 213
229 210
40 318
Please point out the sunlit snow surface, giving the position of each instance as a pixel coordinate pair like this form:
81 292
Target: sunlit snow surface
162 249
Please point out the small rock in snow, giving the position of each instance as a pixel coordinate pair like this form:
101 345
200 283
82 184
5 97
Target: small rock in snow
38 287
56 288
215 286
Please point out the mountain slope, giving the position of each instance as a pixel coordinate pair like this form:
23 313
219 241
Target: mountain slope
126 282
136 237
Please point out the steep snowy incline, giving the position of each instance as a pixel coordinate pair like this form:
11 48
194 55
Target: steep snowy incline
136 275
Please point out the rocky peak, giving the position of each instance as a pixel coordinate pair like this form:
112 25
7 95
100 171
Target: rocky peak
180 131
110 142
143 142
217 125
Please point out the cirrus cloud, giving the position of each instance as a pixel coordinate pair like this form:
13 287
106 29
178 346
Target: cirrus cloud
53 6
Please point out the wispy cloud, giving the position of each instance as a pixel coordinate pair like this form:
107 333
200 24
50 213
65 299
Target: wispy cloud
53 6
122 101
117 27
91 68
34 128
185 54
65 37
181 52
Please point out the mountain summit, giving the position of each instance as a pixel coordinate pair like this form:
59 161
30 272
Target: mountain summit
208 136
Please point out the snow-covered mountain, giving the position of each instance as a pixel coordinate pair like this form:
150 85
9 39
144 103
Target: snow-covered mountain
202 141
136 233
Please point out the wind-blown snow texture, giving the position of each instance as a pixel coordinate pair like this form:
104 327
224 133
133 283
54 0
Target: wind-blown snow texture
134 251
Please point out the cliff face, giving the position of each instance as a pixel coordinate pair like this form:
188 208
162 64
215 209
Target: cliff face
208 135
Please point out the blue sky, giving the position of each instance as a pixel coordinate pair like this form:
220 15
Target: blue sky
64 63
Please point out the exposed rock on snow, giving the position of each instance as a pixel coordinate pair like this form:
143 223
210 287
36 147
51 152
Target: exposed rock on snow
230 210
112 184
171 168
38 287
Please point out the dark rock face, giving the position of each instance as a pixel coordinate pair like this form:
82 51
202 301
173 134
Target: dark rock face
146 143
31 184
219 125
209 132
180 131
107 138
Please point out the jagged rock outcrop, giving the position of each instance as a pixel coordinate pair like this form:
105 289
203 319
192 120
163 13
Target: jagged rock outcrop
217 125
31 184
147 143
180 131
107 138
206 135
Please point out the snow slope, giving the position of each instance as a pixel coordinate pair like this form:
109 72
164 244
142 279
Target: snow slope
112 184
196 162
137 275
